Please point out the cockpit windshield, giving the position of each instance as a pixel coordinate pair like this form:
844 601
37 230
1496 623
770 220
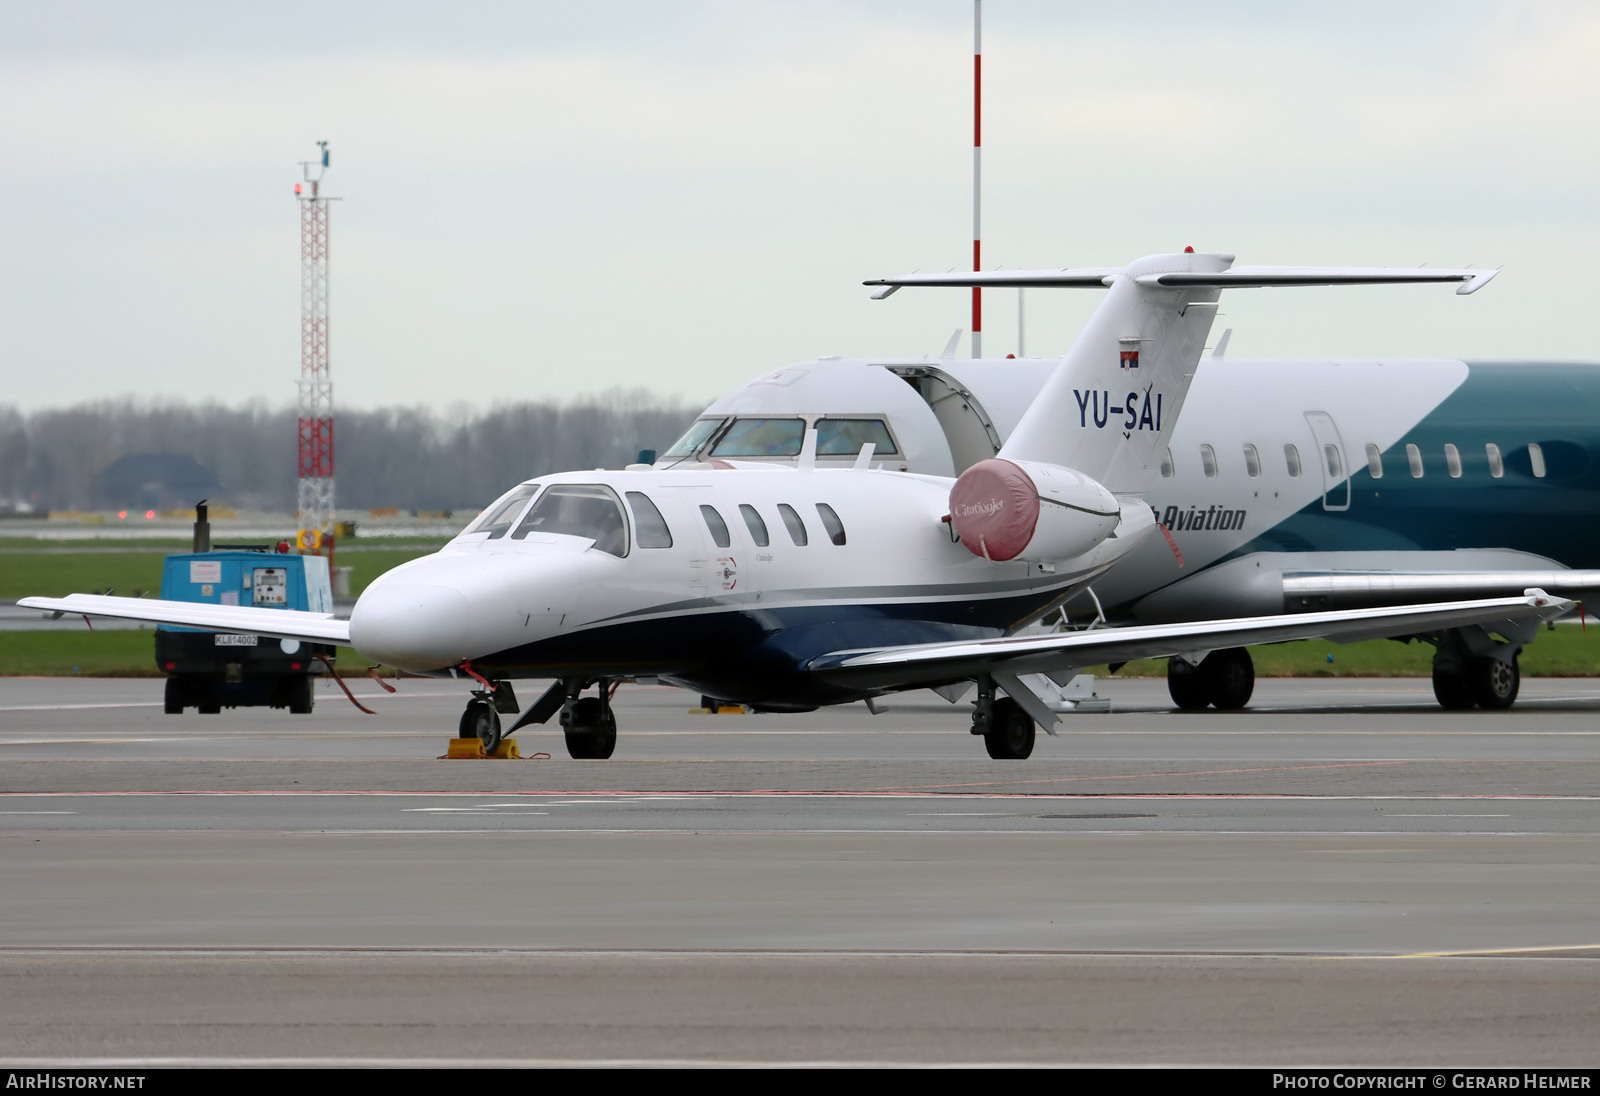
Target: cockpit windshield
695 437
499 515
579 510
761 438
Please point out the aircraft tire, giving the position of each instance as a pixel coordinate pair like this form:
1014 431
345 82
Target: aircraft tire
1011 731
482 722
1452 689
1231 676
1494 684
592 732
1187 685
172 699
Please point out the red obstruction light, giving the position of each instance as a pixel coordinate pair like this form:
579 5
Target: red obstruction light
297 188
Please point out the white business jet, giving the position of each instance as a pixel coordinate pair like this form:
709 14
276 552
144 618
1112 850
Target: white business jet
788 587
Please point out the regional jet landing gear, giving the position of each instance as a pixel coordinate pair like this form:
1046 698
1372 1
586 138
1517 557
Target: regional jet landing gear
1223 678
1463 679
589 724
1007 730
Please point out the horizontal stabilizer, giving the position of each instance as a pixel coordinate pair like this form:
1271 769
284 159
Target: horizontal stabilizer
246 619
915 664
1239 277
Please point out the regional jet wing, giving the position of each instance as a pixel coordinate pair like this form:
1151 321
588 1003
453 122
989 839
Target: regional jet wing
1335 588
1060 653
248 619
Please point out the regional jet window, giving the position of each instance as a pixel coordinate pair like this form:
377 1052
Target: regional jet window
845 437
503 511
1208 461
695 437
649 527
1452 460
1335 465
791 520
1536 458
1497 467
579 510
718 527
1252 461
761 438
1414 458
1374 461
831 522
1166 465
1291 460
753 522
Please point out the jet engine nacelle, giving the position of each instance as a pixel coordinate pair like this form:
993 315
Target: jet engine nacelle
1014 509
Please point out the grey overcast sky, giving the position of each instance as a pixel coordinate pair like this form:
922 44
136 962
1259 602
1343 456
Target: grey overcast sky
552 199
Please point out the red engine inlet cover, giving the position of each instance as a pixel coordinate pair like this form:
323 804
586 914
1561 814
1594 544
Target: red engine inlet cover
994 508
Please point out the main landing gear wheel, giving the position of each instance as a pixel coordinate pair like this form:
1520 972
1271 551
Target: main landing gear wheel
1009 735
1225 678
482 722
590 728
1482 681
1451 687
1494 683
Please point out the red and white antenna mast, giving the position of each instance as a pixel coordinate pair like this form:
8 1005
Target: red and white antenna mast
314 498
977 171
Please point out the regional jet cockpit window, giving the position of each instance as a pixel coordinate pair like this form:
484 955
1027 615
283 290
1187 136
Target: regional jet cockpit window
499 515
695 438
761 438
845 437
579 510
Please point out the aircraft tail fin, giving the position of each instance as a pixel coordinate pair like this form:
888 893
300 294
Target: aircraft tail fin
1108 410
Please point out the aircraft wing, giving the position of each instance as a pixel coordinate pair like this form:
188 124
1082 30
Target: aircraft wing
247 619
1334 588
1065 652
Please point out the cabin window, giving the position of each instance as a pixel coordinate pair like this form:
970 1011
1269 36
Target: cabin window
649 527
831 522
718 527
761 438
792 522
1291 460
1536 458
1452 460
845 437
695 437
1252 461
1335 466
1414 459
1208 461
1374 461
1497 466
503 512
753 522
1166 465
579 510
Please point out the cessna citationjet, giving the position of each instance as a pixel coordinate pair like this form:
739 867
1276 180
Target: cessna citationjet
789 587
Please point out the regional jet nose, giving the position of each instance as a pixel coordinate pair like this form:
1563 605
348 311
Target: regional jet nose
413 626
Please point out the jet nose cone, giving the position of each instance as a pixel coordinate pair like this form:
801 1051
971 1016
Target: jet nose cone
413 626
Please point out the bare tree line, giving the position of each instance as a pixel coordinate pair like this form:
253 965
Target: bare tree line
412 458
